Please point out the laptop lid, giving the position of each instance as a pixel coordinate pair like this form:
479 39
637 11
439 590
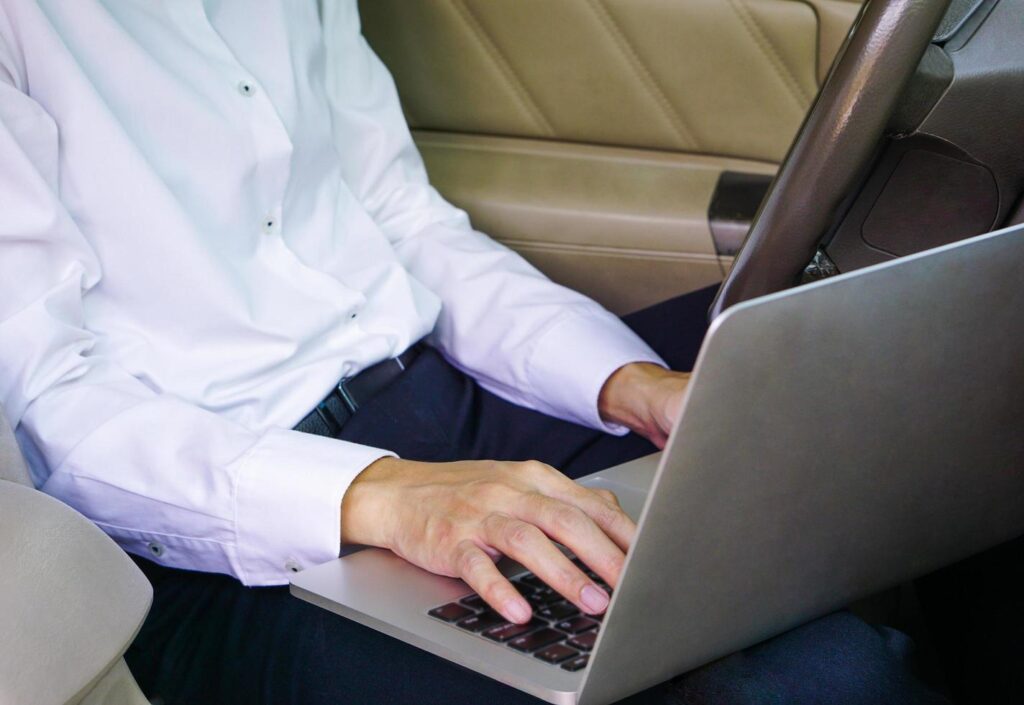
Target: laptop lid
836 439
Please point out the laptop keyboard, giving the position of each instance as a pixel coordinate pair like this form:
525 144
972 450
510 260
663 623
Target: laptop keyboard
558 634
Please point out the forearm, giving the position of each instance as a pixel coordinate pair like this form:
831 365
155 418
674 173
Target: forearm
188 488
520 335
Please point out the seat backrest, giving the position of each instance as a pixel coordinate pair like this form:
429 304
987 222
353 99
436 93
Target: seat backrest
12 464
697 76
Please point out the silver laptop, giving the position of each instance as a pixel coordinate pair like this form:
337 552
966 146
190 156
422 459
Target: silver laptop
836 439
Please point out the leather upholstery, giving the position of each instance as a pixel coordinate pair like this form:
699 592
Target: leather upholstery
835 17
729 77
510 98
116 687
71 601
628 227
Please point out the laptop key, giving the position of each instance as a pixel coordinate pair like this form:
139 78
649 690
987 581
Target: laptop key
543 597
556 653
474 602
505 632
536 640
535 599
452 612
576 664
533 581
589 572
576 625
583 642
557 611
482 621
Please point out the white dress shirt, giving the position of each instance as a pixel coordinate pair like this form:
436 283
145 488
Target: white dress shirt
209 213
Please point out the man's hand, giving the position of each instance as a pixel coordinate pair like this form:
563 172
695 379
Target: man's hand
457 519
644 398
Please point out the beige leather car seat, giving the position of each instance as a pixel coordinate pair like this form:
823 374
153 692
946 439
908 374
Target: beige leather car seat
71 600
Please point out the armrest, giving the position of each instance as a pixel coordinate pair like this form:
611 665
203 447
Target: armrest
71 601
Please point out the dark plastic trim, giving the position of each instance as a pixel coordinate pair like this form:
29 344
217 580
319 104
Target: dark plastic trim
737 197
960 12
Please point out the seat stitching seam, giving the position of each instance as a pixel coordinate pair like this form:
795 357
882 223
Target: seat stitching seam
633 60
519 89
767 47
773 45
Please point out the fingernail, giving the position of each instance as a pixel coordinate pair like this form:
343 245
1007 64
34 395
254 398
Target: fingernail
594 598
518 611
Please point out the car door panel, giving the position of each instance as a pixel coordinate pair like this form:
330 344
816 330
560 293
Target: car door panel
629 226
835 17
589 134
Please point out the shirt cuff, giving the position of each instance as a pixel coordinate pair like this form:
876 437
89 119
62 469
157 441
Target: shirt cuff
288 503
576 356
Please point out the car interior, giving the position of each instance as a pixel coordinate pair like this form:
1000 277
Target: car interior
634 150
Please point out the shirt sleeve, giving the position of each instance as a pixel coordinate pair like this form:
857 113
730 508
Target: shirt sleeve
166 479
523 337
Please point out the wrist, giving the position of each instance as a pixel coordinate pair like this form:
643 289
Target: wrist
365 510
626 397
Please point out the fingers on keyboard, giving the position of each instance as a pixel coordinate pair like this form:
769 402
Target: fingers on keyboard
557 634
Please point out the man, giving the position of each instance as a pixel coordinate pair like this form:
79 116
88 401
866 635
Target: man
213 212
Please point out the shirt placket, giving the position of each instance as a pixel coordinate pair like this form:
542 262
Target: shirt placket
273 149
270 140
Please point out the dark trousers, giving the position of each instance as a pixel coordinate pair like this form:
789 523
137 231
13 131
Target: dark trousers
210 640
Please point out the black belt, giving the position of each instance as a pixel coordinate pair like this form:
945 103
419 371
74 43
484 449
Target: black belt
330 415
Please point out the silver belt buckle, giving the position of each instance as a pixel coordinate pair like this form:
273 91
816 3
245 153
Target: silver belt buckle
346 395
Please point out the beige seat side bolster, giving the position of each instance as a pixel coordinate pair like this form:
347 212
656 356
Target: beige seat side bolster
71 601
116 687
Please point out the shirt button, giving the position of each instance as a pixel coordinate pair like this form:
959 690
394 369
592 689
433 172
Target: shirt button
292 566
247 88
155 548
269 225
